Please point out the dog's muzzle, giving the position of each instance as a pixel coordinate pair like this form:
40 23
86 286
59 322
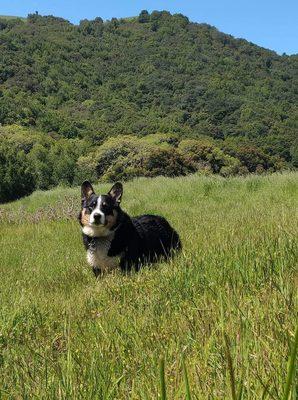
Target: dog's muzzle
97 219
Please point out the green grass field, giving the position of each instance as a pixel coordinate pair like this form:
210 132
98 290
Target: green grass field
219 320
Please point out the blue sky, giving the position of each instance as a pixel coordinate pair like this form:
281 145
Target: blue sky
268 23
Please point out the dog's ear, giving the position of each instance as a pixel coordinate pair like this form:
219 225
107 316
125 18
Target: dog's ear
86 190
116 192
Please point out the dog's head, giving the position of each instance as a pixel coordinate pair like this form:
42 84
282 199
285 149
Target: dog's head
99 213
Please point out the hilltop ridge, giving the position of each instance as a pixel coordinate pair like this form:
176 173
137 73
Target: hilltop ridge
157 72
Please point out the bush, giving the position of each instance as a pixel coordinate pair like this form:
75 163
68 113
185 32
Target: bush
29 160
223 163
167 162
196 151
16 175
254 159
126 157
41 166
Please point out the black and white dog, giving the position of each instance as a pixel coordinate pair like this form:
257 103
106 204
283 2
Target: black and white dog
114 239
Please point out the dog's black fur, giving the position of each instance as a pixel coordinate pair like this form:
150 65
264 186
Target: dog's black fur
136 241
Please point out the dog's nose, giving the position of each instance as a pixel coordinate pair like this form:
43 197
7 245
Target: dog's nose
97 218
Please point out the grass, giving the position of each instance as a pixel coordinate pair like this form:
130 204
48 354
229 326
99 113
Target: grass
8 17
216 323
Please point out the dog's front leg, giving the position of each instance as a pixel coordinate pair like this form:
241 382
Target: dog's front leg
126 265
97 271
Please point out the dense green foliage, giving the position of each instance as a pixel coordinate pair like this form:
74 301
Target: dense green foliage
158 73
31 160
64 335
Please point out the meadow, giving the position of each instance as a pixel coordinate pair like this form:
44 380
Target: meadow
218 322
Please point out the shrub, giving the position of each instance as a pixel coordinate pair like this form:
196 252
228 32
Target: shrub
167 162
16 175
125 157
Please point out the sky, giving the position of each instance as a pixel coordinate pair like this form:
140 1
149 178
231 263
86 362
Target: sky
272 24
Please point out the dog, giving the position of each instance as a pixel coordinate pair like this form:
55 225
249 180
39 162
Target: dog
113 239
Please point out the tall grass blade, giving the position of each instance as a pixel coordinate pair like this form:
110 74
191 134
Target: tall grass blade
187 388
240 390
291 367
163 394
266 389
231 369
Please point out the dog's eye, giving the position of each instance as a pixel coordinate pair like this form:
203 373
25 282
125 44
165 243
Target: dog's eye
105 207
92 205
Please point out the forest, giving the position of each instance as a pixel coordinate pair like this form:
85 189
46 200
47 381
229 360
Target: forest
145 96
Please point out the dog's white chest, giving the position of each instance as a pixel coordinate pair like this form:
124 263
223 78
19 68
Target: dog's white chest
97 254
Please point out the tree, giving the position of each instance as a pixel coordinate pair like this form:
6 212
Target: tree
144 16
15 174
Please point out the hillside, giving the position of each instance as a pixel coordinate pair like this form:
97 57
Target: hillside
156 73
65 335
